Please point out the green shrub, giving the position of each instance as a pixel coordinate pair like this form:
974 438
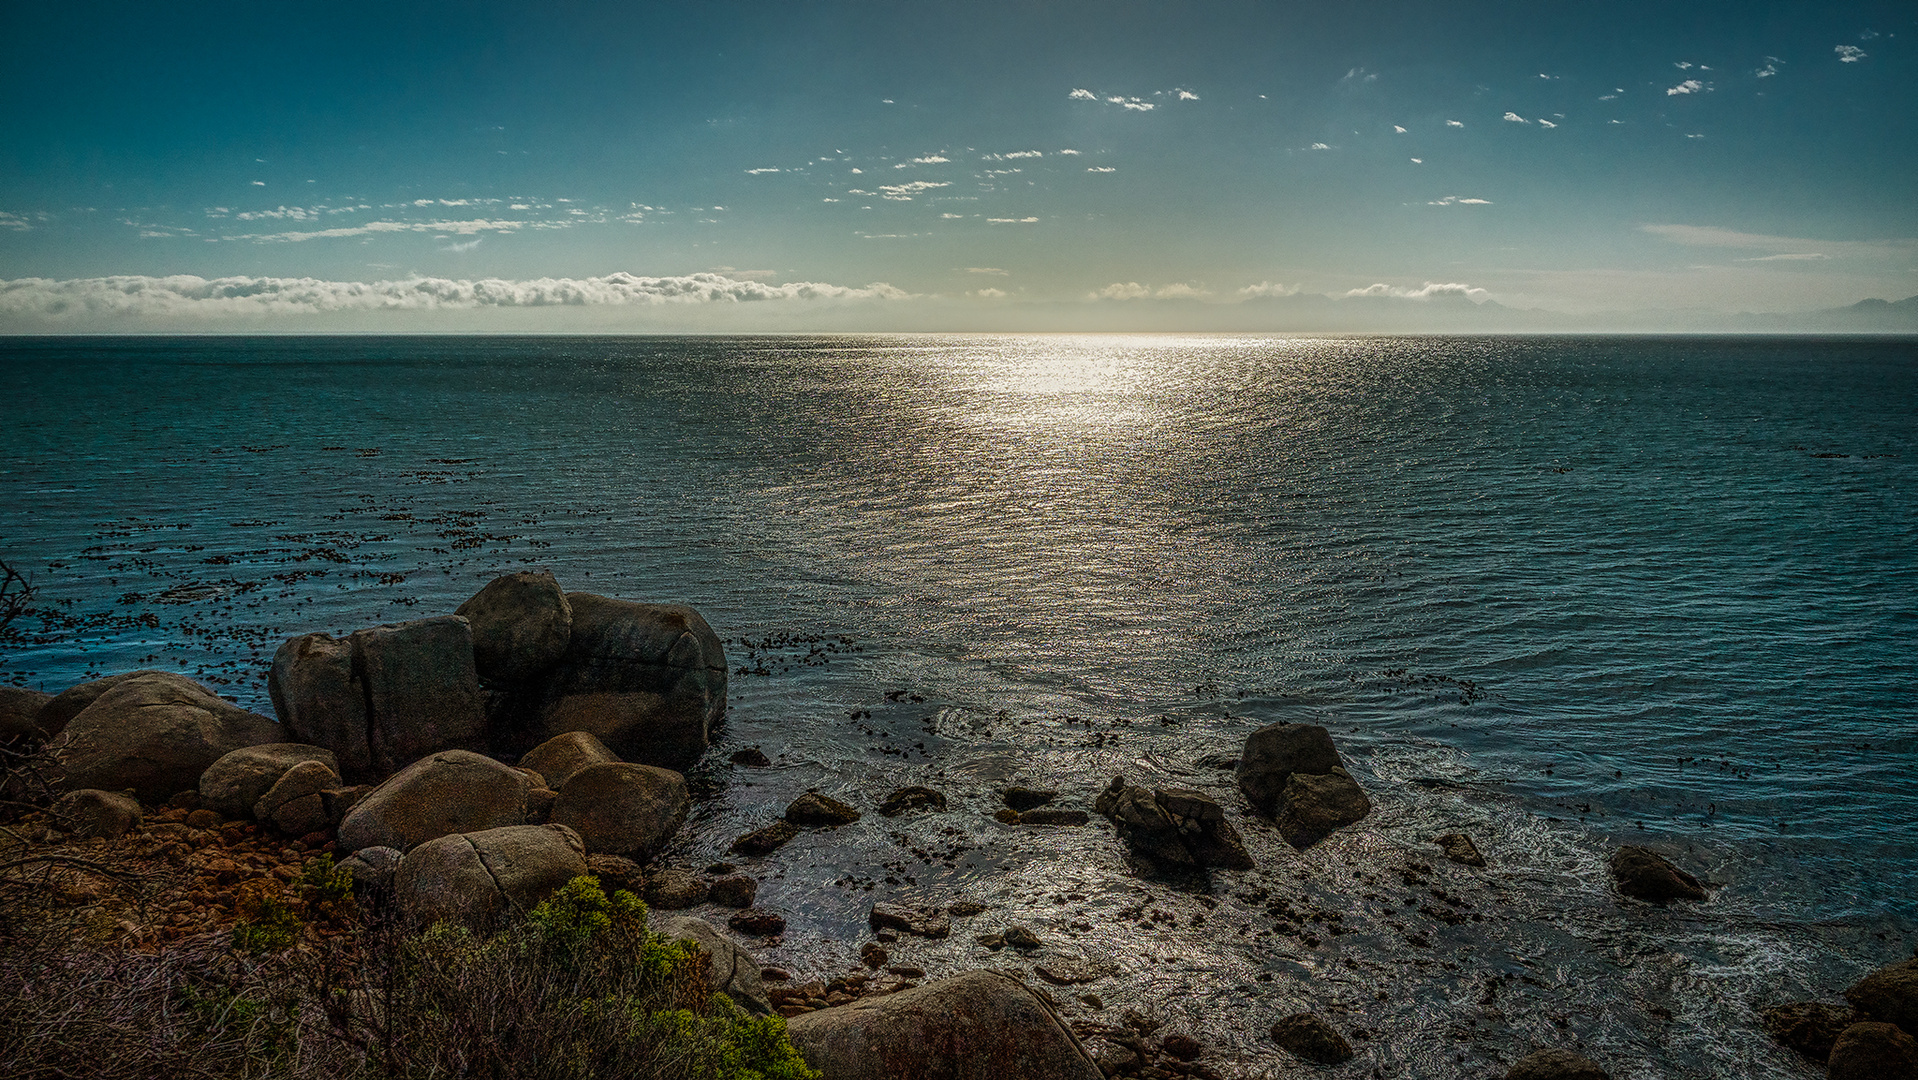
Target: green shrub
267 922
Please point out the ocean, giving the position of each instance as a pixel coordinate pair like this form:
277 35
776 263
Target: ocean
1558 593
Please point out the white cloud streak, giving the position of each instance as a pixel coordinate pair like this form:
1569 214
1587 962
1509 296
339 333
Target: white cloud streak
1689 86
1849 54
1424 292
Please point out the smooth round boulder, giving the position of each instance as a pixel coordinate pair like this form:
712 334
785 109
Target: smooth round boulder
732 970
88 813
521 623
1647 875
559 757
1312 806
56 714
623 809
982 1025
231 785
1873 1050
20 713
454 791
155 733
1889 994
1556 1064
296 803
1274 752
820 811
478 879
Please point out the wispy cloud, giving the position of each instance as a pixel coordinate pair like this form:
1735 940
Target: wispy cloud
929 159
1770 68
1455 123
1101 168
1186 95
1546 124
1321 146
1458 200
1689 86
1515 118
905 192
1012 220
15 222
1849 54
464 247
1784 248
1083 95
1267 288
761 172
1132 290
1424 292
460 228
986 270
1792 256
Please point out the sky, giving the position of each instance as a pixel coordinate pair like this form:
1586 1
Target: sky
868 165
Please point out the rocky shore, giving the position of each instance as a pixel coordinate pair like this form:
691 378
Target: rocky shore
462 769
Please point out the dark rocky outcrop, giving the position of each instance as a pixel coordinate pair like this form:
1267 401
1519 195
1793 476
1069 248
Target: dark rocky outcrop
1053 815
558 758
452 792
1293 773
616 872
1025 798
1313 806
1809 1027
1889 994
1174 826
154 733
757 922
820 811
479 878
765 841
911 798
1556 1064
735 891
982 1025
1306 1036
733 970
90 813
1647 875
623 809
521 624
1873 1050
230 786
1459 848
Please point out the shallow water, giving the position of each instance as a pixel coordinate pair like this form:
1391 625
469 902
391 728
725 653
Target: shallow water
1559 593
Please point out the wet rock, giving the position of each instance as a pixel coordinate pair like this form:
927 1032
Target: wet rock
735 891
231 785
452 792
622 809
1006 815
912 798
752 757
960 909
1021 938
1052 815
765 841
20 714
1459 848
1556 1064
757 922
372 869
1204 829
1066 971
1025 798
733 970
1142 823
1889 994
673 889
155 733
978 1026
296 803
1873 1050
1648 876
1175 826
1809 1027
910 920
1274 752
479 878
1312 806
821 811
422 692
1116 1059
559 757
89 813
874 955
648 680
521 624
1306 1036
616 872
1181 1046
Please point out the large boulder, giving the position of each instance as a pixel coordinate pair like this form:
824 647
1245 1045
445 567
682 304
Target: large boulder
318 696
55 715
1873 1051
648 680
1313 805
455 791
1274 752
480 878
1889 994
521 623
622 809
422 693
20 713
733 970
558 758
1178 826
982 1025
155 733
1647 875
230 786
88 813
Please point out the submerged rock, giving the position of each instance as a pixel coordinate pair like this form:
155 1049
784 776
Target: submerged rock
911 798
1556 1064
1809 1027
1313 806
1647 875
1174 826
765 841
921 922
1306 1036
1459 848
822 811
1025 798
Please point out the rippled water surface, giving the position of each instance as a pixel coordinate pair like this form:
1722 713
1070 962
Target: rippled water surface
1559 593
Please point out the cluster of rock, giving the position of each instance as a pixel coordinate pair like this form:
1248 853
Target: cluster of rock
1293 774
1173 826
1869 1038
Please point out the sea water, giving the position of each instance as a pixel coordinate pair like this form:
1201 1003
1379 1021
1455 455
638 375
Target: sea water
1558 593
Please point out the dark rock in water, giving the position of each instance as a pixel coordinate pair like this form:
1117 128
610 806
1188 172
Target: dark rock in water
1306 1036
88 813
752 757
1889 994
673 889
917 921
1312 806
767 840
649 680
521 624
1181 1046
1274 752
1556 1064
422 692
20 714
155 733
733 970
1066 971
1459 848
912 798
1052 815
1025 798
1809 1027
1175 826
1218 761
960 909
735 891
757 922
624 809
451 792
982 1025
821 811
1006 815
1021 938
1647 876
231 785
559 757
616 872
478 879
1873 1051
874 955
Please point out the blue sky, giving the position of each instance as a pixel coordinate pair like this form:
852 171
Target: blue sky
652 166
